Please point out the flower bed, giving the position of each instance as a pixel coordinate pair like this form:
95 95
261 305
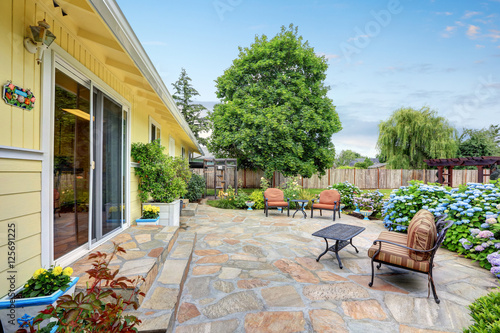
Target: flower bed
473 207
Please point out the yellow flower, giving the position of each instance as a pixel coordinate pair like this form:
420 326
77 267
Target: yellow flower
57 270
26 286
38 272
68 271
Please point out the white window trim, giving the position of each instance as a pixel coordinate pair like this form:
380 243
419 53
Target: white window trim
157 125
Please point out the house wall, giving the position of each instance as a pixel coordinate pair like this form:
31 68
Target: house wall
20 205
20 179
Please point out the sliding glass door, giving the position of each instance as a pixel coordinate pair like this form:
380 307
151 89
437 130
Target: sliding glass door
108 187
71 164
89 149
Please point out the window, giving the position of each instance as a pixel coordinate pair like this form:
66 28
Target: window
183 152
154 130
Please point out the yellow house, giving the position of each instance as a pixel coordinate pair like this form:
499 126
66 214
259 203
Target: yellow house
65 164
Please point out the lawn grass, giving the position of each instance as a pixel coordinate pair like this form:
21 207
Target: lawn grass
385 192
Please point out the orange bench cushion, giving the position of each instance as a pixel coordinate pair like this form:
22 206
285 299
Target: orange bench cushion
277 204
274 195
323 206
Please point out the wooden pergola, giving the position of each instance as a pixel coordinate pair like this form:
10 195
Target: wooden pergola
449 163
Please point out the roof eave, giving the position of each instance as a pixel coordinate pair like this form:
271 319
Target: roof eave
112 15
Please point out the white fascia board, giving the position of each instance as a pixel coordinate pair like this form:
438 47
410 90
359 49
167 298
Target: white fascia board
112 15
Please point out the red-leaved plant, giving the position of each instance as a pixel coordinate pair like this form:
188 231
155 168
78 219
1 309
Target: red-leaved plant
99 308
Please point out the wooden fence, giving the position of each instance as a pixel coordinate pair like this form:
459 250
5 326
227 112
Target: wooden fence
363 178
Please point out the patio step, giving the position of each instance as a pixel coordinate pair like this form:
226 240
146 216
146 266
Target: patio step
159 309
190 210
147 248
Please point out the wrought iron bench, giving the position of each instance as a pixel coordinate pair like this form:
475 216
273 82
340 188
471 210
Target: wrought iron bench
413 251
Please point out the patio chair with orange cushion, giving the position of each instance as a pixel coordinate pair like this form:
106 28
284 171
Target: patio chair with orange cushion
328 200
274 197
413 251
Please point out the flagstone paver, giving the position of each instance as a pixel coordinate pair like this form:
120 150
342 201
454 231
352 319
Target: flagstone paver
283 322
271 281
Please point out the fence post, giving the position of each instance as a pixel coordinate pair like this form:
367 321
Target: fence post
401 177
378 178
354 180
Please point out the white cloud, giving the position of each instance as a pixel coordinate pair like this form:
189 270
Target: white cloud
478 46
472 31
448 31
459 23
444 13
494 34
469 14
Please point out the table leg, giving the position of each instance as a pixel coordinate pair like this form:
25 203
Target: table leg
354 246
337 254
303 211
322 254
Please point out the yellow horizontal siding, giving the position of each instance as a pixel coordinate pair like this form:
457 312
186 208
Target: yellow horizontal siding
11 165
20 192
24 250
16 182
26 226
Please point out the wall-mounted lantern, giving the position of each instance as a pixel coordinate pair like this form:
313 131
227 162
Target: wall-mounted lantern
41 40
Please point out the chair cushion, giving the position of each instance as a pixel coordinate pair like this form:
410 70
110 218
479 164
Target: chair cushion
393 254
277 204
274 195
328 197
422 234
323 206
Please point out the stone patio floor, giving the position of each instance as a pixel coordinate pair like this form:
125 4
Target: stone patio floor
250 273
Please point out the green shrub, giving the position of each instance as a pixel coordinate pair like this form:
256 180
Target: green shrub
306 195
291 188
195 187
161 177
485 312
241 199
257 197
347 192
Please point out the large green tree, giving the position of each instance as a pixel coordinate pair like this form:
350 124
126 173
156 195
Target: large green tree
410 136
345 157
183 94
274 113
481 142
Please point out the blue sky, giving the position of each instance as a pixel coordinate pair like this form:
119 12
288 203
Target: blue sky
383 55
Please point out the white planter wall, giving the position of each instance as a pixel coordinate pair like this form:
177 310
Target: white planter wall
169 212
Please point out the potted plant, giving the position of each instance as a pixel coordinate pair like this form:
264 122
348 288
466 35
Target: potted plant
99 309
150 215
365 206
162 180
42 289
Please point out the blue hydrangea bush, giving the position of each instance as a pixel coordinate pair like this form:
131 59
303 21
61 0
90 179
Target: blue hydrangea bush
406 201
474 208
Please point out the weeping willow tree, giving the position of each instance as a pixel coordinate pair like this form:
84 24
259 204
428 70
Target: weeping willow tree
410 136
